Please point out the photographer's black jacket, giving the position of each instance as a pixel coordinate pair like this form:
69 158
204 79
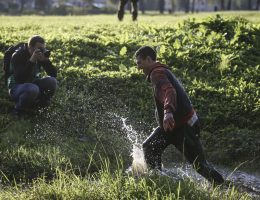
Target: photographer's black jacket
24 71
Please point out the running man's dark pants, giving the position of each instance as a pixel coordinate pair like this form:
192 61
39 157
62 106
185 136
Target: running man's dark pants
186 140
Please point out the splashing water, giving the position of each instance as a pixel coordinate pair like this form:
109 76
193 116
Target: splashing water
138 164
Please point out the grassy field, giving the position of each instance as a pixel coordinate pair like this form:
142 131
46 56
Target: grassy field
78 147
149 17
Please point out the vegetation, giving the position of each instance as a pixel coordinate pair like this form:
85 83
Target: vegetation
78 149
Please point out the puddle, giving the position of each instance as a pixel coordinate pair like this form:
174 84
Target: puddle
243 181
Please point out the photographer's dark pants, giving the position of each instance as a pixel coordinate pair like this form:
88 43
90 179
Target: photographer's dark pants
186 140
30 95
121 8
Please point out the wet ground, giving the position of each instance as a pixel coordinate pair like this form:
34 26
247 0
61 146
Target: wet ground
242 181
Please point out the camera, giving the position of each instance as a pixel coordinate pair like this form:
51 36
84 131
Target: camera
45 52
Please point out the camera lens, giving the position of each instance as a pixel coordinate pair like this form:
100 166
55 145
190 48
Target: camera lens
47 53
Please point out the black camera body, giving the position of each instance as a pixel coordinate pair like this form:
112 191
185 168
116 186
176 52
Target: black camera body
45 52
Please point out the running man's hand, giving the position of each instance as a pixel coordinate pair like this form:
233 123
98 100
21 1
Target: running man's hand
168 122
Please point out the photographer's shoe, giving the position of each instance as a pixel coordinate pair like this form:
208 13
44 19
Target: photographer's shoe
44 104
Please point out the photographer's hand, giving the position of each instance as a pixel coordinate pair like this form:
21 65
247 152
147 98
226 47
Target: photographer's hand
38 56
42 57
35 56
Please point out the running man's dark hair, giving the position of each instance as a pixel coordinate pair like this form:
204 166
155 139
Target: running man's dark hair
34 39
145 51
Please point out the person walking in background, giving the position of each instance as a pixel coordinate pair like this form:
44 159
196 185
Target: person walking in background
168 6
178 122
121 9
25 83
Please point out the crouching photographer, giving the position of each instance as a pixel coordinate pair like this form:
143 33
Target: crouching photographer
26 84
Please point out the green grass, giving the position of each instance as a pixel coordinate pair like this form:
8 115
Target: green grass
63 152
149 17
106 184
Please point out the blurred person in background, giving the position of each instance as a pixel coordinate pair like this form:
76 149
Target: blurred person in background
121 9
